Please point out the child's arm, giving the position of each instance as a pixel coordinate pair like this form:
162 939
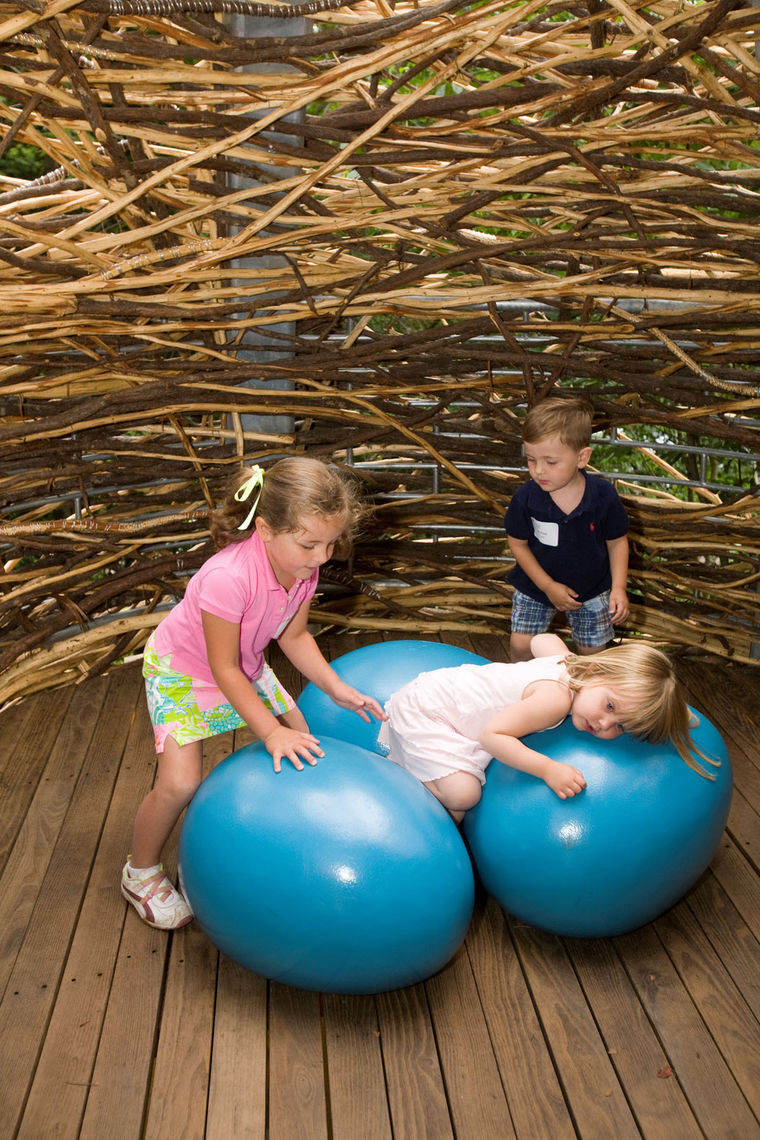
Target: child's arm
560 596
543 704
617 548
301 649
223 650
548 645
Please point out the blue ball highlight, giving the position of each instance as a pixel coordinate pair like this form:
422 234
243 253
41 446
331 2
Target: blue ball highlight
612 858
346 877
378 670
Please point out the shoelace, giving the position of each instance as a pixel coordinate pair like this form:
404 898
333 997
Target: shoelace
161 887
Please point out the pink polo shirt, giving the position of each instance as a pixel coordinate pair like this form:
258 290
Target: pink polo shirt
237 584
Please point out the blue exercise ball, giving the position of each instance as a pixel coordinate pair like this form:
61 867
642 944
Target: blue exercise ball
346 877
613 857
378 670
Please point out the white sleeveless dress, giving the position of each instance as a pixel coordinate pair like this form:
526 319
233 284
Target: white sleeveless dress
435 721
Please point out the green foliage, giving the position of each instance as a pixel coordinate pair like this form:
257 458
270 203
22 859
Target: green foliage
22 160
723 470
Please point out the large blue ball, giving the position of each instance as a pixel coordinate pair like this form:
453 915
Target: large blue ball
379 671
348 877
613 857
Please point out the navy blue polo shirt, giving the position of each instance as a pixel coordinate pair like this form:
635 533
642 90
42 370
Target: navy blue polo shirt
572 548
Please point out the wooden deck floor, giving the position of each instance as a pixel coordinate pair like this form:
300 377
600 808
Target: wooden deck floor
111 1030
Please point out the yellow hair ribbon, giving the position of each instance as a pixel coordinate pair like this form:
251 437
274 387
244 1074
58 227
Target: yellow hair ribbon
244 492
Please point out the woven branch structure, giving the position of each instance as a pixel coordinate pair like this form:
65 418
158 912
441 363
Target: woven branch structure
391 226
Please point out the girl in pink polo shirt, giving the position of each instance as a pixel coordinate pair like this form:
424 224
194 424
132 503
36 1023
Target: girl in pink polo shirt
204 665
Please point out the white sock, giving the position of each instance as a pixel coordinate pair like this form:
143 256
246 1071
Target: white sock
142 872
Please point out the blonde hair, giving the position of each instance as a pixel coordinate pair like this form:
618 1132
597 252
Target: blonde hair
645 680
292 487
571 420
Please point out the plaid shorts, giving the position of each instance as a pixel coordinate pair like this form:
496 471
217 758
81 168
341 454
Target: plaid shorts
190 710
591 625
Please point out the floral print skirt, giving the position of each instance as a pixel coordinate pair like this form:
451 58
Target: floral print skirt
188 710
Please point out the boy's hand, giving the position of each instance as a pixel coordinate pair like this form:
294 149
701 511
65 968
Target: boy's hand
562 597
619 607
565 780
289 742
349 698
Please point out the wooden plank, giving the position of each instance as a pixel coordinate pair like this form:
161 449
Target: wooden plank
416 1091
165 991
238 1079
29 859
490 646
123 1064
356 1082
286 672
733 1026
714 1096
740 728
717 687
57 1097
41 894
743 682
121 1076
534 1095
658 1103
29 731
98 1060
744 828
593 1091
746 774
179 1089
297 1104
739 879
477 1102
338 644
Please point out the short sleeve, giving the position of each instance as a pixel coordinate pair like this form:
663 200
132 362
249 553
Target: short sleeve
222 594
615 522
516 520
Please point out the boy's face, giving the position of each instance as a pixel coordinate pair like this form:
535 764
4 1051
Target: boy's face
553 464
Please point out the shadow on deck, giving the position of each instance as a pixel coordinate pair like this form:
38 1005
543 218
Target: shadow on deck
111 1030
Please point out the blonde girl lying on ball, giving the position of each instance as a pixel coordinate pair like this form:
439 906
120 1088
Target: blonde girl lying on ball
445 726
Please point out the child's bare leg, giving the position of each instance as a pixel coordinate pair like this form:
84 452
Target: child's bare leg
589 650
458 792
519 646
179 774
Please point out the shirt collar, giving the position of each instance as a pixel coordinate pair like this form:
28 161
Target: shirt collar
539 498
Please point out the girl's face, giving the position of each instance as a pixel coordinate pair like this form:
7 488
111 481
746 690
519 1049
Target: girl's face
598 710
298 553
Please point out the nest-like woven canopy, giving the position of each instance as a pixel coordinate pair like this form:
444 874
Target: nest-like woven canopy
392 224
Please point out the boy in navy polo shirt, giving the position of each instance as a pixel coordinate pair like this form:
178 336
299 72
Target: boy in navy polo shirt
567 532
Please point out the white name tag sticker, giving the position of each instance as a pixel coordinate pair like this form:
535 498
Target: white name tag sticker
546 532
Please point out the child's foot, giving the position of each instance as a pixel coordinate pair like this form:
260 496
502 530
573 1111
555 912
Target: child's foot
156 899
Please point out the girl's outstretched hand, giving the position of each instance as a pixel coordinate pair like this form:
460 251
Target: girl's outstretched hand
350 698
289 743
563 779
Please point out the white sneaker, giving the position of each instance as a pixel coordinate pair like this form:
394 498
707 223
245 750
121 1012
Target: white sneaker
183 892
156 899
